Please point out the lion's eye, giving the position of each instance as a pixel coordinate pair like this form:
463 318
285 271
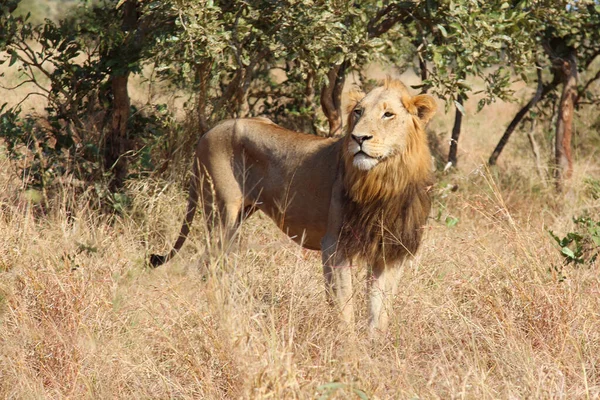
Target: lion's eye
388 114
357 112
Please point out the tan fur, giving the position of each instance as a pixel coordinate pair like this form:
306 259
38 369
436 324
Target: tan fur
351 200
388 205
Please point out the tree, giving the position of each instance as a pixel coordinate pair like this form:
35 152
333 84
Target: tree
455 40
258 57
87 58
223 53
566 41
315 44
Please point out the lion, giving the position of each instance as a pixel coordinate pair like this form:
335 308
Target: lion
364 197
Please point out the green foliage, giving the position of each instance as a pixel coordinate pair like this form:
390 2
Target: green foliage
592 187
246 58
45 154
583 245
459 39
553 29
41 154
256 57
451 221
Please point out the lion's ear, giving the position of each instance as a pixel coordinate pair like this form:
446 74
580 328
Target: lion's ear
426 107
354 97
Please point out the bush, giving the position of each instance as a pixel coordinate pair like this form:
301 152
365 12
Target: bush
581 246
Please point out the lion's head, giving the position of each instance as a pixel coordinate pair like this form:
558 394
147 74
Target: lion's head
387 170
382 123
386 140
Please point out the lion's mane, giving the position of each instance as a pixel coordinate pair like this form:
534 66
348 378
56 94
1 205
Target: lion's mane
386 207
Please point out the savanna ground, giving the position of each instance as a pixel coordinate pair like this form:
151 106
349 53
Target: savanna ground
487 311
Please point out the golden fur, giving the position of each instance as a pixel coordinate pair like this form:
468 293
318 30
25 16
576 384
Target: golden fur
387 206
363 196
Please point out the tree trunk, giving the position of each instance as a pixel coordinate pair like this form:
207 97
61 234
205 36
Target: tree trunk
453 154
331 98
541 92
118 144
117 141
535 149
564 123
424 74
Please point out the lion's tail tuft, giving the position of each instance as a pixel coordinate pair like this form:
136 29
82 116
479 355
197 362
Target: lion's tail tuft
156 260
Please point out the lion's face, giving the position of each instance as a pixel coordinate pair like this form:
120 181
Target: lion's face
382 122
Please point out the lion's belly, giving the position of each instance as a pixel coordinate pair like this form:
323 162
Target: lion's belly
309 238
301 214
306 229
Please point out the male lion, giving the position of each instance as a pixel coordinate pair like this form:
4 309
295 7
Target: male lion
361 197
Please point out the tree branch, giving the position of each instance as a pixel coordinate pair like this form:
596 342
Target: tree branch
541 91
389 16
331 98
581 93
453 152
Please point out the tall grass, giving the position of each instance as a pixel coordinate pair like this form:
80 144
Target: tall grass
485 312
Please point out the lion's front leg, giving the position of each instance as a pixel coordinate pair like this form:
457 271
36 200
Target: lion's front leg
336 264
383 286
338 278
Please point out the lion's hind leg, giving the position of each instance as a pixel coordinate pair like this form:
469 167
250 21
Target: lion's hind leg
223 205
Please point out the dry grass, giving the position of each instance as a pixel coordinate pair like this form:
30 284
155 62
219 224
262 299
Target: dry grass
482 315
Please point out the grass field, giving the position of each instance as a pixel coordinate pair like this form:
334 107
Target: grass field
487 311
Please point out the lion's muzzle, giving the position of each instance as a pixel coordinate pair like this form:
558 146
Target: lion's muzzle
360 139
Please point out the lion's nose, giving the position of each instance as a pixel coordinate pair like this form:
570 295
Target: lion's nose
362 138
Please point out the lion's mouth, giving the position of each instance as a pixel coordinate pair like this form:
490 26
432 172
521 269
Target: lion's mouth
364 154
363 161
360 152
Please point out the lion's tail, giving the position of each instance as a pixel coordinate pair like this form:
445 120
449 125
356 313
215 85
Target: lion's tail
157 260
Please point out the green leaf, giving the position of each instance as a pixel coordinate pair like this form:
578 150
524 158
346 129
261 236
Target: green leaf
331 386
451 221
338 58
460 107
34 196
13 58
480 104
328 389
362 395
442 30
568 252
524 77
464 85
437 58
